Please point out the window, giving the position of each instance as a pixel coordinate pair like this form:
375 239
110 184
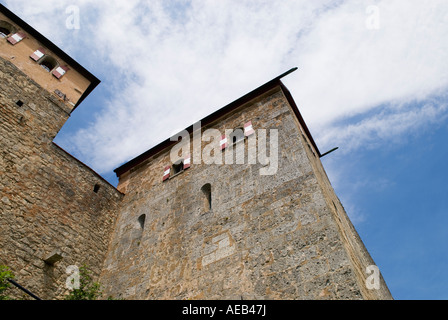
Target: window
178 167
96 188
237 135
141 221
137 230
6 29
4 32
48 63
206 197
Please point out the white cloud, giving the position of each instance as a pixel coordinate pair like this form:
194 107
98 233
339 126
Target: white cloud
348 69
385 126
170 63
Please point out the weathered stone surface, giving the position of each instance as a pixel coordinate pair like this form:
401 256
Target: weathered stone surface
47 198
266 237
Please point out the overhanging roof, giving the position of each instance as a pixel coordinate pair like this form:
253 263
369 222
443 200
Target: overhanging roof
222 112
94 81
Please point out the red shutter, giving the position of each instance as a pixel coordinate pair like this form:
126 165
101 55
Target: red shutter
60 71
16 38
39 53
248 129
166 173
223 143
187 162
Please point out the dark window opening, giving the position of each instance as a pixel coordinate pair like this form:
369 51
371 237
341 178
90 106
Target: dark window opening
137 230
19 103
207 197
141 221
237 135
6 29
96 188
48 63
178 167
4 32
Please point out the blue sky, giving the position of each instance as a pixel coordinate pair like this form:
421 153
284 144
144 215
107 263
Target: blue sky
372 80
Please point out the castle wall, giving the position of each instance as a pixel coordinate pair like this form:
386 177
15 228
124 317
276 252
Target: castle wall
356 251
265 237
47 199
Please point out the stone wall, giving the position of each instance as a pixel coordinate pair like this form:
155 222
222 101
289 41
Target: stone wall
47 199
266 236
356 251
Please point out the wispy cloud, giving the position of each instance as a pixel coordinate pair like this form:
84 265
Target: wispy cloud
389 124
170 63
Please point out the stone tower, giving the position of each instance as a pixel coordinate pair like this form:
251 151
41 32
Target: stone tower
54 210
237 206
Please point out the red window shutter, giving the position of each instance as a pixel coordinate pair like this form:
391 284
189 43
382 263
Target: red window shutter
166 173
39 53
223 143
248 129
60 71
187 162
16 38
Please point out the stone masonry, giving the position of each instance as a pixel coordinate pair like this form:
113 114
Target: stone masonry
47 204
284 236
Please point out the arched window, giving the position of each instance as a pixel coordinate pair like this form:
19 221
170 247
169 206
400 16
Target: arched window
237 135
141 221
206 197
48 63
4 32
137 230
6 29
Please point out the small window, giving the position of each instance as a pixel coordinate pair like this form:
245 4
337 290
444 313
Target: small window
137 230
96 188
141 221
48 63
207 197
19 103
237 135
178 167
4 32
6 29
